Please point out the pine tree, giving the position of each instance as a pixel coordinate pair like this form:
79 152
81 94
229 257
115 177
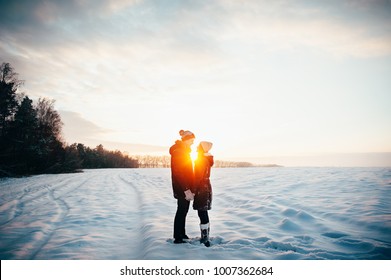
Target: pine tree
9 84
24 139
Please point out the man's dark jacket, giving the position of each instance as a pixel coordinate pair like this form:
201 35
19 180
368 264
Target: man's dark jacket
181 169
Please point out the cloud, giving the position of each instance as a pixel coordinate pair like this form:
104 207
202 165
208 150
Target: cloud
147 64
281 25
78 129
25 13
197 28
143 48
44 24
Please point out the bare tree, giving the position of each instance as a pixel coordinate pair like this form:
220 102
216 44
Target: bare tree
49 120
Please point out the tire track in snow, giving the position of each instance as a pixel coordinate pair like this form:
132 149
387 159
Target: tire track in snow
120 211
38 237
31 193
155 205
8 212
15 207
41 211
63 208
101 220
140 222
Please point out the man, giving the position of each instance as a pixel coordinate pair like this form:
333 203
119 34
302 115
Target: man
182 182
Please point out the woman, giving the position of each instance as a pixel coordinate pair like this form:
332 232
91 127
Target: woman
203 189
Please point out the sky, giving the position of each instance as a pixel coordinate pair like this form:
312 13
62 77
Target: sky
266 80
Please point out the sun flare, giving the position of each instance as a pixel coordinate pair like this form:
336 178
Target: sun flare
193 155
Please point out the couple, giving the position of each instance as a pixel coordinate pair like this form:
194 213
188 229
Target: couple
190 183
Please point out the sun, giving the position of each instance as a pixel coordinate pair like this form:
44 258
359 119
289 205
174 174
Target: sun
193 155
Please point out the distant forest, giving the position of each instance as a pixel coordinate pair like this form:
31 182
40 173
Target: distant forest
31 141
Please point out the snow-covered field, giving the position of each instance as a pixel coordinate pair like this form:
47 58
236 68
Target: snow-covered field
258 213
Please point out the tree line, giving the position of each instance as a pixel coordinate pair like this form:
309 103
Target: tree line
31 138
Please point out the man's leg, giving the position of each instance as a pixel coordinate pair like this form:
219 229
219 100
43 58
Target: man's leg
180 219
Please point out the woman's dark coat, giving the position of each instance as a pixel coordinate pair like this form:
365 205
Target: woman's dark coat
202 186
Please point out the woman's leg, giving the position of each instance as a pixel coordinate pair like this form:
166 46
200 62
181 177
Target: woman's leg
204 226
204 217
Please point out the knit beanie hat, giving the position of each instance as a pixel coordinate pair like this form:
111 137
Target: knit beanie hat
186 135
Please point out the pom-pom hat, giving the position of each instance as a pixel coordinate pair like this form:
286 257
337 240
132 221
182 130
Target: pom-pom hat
186 135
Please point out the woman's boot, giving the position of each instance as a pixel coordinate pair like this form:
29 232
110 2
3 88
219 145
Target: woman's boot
205 234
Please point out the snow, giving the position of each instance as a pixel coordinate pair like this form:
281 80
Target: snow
257 213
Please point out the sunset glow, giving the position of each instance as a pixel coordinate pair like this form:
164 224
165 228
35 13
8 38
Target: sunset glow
193 156
269 80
